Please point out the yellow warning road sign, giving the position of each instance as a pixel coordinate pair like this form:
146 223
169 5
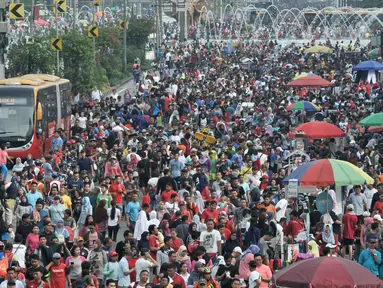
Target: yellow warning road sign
97 2
61 6
57 44
16 11
93 31
122 25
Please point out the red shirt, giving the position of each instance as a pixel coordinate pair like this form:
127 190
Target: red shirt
349 222
379 205
132 263
35 284
153 242
178 280
166 195
177 243
293 228
58 276
117 196
208 214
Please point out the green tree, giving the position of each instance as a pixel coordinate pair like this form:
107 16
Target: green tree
79 63
110 53
36 57
138 32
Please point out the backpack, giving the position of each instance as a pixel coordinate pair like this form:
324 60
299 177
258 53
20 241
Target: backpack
12 189
257 162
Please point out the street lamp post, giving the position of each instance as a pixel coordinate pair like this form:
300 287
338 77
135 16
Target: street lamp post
125 36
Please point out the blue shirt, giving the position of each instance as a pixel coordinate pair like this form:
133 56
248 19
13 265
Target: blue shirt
32 198
133 208
176 166
43 213
366 259
57 143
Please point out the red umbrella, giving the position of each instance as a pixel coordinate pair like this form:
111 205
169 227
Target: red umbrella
311 80
326 272
375 129
320 129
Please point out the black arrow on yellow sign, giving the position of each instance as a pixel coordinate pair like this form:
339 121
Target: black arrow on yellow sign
61 6
93 31
16 11
57 44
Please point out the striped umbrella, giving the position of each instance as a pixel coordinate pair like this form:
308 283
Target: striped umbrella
303 106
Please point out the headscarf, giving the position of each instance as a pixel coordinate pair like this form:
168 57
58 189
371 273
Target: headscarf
85 202
153 219
269 130
253 249
142 225
203 158
165 231
314 248
180 258
328 237
24 203
200 226
194 234
195 274
231 244
143 243
198 200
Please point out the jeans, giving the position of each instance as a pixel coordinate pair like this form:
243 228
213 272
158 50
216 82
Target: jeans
112 232
4 171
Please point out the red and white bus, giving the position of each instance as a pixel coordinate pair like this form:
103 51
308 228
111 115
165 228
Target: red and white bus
32 108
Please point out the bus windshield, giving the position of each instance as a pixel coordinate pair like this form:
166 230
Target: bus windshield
16 119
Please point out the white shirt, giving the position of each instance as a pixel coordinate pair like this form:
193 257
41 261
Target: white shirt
19 284
282 204
210 240
19 251
113 222
369 194
96 95
142 264
254 276
123 266
82 122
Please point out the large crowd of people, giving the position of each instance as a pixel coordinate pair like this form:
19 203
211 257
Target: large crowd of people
179 182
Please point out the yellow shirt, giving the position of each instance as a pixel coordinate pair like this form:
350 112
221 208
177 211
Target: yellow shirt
67 202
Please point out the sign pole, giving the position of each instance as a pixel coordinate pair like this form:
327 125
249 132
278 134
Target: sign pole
57 36
94 38
125 37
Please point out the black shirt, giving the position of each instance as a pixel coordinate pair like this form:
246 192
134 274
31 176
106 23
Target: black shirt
85 164
31 270
226 282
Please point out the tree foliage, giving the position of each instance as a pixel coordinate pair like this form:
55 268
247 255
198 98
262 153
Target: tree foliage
79 64
36 57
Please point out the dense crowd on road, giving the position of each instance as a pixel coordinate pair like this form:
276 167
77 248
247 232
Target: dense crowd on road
188 168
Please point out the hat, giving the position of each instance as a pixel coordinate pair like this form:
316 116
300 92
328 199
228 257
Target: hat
56 256
330 245
377 217
80 239
350 207
237 249
207 270
279 149
202 261
202 281
113 253
366 214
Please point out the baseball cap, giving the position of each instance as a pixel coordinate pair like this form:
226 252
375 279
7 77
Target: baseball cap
366 214
80 239
377 217
330 245
350 207
202 261
279 149
56 256
237 249
113 253
202 281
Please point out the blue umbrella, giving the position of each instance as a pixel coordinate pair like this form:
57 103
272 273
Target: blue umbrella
368 65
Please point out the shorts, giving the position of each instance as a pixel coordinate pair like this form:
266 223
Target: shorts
347 242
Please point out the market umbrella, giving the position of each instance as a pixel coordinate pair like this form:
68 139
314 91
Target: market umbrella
311 80
375 52
375 129
320 130
318 49
327 172
303 106
326 272
304 74
372 120
368 65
